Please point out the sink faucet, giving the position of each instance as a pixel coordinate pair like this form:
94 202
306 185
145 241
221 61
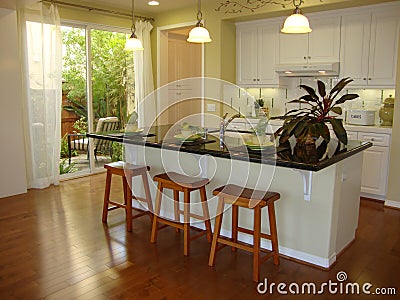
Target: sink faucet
223 125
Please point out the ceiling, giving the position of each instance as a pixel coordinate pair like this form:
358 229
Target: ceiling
141 5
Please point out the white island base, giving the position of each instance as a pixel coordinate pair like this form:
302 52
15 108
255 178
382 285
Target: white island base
317 215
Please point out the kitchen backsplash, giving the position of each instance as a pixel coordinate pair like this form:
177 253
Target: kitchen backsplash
276 99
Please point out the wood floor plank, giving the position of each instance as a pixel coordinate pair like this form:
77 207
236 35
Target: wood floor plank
54 246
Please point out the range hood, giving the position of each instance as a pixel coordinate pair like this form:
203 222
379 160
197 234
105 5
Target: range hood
311 70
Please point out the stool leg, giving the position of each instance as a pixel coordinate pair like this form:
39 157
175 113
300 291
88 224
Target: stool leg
274 233
176 208
256 249
154 227
106 197
186 220
206 213
217 230
125 188
148 195
235 221
128 201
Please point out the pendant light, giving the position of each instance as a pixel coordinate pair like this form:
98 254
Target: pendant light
133 43
199 34
297 22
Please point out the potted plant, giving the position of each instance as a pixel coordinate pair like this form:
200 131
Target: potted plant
309 124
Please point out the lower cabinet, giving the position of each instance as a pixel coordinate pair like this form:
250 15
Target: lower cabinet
375 163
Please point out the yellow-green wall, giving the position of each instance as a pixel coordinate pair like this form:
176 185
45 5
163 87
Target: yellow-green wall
393 192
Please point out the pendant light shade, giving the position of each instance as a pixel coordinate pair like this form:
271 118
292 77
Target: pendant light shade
133 43
297 22
199 34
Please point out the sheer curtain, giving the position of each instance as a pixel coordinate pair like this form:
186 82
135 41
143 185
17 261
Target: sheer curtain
144 83
41 51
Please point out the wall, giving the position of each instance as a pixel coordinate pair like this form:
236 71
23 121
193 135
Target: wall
12 158
393 192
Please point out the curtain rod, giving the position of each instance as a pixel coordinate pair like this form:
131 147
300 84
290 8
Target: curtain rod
98 9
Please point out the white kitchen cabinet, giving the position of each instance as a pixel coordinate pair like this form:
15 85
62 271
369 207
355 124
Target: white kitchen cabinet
256 46
375 164
369 47
322 45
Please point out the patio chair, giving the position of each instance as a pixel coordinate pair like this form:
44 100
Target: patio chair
79 141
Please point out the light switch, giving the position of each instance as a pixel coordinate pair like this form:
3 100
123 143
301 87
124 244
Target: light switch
211 107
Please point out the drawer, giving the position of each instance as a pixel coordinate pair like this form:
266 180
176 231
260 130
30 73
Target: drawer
377 139
352 135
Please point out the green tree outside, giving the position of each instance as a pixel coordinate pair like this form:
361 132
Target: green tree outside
112 73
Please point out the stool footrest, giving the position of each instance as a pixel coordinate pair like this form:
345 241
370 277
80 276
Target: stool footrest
198 235
248 231
192 215
170 223
238 245
116 205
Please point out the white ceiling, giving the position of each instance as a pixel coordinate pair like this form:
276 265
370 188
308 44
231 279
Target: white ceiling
141 5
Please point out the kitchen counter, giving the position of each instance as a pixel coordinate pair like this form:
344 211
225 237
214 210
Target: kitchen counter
234 148
317 215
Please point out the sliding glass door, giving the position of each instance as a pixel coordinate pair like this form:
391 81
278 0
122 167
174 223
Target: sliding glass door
98 87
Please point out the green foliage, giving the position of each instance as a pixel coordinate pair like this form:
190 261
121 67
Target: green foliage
64 147
66 168
117 152
310 122
80 125
112 73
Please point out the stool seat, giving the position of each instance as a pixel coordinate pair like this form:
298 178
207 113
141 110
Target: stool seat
120 167
238 196
127 171
186 184
181 181
245 197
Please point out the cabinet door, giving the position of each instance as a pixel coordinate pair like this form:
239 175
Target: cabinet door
267 54
383 48
355 48
293 48
374 172
324 40
246 56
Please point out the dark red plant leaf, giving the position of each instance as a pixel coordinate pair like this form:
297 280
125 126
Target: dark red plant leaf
321 88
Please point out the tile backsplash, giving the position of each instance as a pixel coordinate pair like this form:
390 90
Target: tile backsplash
276 99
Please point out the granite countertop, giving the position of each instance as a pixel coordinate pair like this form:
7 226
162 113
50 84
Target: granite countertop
234 148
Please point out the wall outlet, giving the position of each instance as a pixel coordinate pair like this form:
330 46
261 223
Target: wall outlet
211 107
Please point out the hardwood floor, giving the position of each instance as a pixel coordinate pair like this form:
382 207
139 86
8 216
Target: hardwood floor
54 246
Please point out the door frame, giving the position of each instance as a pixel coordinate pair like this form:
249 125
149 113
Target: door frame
160 32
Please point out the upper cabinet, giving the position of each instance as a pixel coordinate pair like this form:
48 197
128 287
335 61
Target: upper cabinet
369 48
256 54
319 46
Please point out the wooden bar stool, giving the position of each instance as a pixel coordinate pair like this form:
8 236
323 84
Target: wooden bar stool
127 172
252 199
181 183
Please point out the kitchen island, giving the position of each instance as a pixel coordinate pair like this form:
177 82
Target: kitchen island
317 214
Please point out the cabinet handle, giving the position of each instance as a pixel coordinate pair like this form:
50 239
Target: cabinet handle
258 79
369 78
309 57
305 57
254 79
372 139
364 78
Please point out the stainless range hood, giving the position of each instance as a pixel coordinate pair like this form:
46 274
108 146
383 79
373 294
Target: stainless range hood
310 70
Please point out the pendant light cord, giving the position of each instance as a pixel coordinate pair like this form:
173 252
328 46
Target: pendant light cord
199 13
133 28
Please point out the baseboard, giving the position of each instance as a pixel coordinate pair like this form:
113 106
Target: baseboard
299 256
373 196
392 204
